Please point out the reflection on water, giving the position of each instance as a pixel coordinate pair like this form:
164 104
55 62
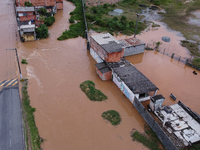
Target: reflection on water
66 118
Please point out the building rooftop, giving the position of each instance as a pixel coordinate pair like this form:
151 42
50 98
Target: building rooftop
132 77
103 67
131 42
25 9
27 26
180 123
108 42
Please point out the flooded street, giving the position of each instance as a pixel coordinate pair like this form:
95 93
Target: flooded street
66 118
8 32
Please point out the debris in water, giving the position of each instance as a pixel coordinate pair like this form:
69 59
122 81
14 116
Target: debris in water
166 39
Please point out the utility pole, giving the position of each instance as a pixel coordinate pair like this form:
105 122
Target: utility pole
136 24
17 61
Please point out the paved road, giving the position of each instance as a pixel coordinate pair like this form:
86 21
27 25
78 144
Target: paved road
11 133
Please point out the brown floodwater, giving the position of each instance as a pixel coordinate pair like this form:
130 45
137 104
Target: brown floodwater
66 118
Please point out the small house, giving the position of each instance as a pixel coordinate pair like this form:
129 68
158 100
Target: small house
103 71
27 32
25 14
106 47
156 102
133 46
131 81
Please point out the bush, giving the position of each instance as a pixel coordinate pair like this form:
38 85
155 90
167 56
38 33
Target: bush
93 94
112 116
49 21
43 11
71 20
42 32
24 61
27 4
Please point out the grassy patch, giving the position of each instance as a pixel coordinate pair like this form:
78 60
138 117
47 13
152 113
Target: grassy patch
29 115
75 29
93 94
24 61
196 62
112 116
192 47
149 140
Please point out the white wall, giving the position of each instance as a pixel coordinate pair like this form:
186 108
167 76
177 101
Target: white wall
123 87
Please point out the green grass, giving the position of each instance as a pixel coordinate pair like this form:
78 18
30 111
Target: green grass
196 62
149 140
176 17
24 61
29 115
192 47
93 94
112 116
75 29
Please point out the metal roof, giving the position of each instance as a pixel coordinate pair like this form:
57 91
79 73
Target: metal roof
132 77
24 9
103 67
131 42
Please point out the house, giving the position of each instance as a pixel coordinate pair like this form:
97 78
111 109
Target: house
103 71
131 81
25 14
104 47
27 32
133 46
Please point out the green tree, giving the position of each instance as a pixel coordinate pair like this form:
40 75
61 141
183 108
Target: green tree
42 32
28 4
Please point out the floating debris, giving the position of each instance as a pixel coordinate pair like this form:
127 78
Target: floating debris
116 12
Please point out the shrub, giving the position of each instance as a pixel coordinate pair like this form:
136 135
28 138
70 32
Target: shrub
105 5
49 21
43 11
112 116
28 4
93 94
42 32
71 20
24 61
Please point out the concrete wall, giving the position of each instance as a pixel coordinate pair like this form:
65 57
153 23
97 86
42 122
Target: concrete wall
133 50
169 145
95 56
123 87
105 76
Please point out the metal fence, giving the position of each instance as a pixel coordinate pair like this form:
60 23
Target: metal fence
167 142
169 51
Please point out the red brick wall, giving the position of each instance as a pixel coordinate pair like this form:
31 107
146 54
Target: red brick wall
59 5
115 57
105 76
37 2
59 0
98 49
108 57
38 22
27 18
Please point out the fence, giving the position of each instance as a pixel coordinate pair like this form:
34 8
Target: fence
168 51
167 142
86 28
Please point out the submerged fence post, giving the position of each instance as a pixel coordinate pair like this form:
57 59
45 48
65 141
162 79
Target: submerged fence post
172 55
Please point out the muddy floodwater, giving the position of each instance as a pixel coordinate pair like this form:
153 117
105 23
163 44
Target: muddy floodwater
66 118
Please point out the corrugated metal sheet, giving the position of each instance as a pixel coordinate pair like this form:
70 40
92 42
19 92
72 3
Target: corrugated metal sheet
131 42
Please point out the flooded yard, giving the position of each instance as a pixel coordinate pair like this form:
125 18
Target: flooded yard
66 118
